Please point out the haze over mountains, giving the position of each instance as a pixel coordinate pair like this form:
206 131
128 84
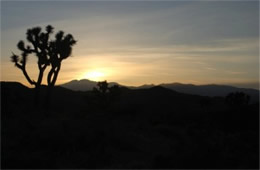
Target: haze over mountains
203 90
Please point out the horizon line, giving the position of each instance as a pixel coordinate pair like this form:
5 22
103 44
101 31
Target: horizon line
237 85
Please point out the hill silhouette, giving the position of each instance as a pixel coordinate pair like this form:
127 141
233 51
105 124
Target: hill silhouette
81 85
208 90
141 128
202 90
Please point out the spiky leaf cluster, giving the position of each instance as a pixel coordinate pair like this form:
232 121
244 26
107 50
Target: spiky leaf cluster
40 42
48 52
61 47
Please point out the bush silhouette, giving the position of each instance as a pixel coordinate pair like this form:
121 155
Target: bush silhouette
105 94
114 92
49 53
102 87
237 99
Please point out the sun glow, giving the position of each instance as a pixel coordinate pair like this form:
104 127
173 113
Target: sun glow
95 75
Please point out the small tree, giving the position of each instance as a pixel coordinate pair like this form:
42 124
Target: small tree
49 53
105 94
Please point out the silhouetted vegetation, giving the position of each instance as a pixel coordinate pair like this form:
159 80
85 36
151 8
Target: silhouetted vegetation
105 95
237 99
116 127
48 52
143 128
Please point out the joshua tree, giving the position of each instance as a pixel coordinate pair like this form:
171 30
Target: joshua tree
59 49
48 52
39 42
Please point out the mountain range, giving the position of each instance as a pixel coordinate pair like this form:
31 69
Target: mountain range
203 90
136 127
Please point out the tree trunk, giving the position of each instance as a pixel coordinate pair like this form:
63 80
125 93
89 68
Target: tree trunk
37 88
52 77
47 105
36 95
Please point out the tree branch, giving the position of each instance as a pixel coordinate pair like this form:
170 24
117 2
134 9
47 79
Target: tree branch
32 82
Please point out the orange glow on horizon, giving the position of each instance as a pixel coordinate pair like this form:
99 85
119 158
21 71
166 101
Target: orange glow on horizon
94 75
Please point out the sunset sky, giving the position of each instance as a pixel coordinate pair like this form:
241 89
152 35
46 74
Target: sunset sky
135 43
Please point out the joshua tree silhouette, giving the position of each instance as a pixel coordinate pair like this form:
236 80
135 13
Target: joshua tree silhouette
49 52
59 49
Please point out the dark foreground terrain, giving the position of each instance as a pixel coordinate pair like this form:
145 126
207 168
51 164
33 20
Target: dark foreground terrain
143 128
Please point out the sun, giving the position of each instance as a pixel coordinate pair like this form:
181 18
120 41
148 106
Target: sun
94 75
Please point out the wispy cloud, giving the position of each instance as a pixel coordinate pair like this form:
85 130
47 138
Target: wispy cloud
145 41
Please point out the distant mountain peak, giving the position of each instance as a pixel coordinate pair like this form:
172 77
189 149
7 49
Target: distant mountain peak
83 84
203 90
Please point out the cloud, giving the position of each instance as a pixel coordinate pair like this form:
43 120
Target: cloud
165 40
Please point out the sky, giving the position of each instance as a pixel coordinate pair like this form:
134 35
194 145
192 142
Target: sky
142 42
